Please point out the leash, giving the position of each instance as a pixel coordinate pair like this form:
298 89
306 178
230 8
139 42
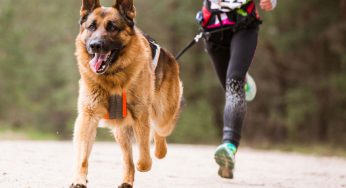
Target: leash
192 43
197 38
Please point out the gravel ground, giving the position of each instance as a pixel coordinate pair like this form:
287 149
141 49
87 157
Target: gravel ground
25 164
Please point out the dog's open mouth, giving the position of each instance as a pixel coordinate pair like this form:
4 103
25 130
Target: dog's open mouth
100 62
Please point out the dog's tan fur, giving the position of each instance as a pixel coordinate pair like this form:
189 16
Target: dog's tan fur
153 95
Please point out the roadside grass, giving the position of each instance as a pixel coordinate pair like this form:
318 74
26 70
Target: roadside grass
10 134
26 135
105 135
307 149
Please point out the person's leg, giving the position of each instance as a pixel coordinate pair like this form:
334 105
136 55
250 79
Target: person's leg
243 46
218 48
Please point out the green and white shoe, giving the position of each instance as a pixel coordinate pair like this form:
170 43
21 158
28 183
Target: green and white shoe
250 88
224 157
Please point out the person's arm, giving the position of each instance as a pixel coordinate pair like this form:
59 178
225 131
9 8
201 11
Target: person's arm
268 5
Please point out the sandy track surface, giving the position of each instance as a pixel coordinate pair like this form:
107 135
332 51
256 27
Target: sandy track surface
26 164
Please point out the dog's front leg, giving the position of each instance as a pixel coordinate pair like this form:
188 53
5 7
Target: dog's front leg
83 138
142 134
122 135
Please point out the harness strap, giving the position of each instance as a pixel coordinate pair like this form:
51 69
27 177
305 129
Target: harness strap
124 104
156 53
155 49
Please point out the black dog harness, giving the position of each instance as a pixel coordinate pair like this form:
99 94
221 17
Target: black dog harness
155 49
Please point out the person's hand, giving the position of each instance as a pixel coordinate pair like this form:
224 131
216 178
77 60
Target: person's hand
229 5
267 5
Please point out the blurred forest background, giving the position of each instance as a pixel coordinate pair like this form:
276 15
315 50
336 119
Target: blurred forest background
300 70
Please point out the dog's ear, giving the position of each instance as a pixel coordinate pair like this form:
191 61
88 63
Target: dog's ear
127 10
87 7
90 5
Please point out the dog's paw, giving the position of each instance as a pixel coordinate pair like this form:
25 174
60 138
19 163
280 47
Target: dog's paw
160 153
78 186
144 165
125 185
160 146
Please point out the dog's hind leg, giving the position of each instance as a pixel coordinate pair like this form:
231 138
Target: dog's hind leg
162 131
160 146
84 137
123 135
142 134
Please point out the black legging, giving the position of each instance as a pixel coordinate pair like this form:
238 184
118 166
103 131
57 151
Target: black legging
232 54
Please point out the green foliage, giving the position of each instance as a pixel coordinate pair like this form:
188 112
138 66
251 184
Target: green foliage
301 105
303 55
196 124
38 70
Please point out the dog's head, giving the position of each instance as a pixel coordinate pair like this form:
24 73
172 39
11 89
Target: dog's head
105 31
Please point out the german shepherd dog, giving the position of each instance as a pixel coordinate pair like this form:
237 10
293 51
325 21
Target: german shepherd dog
116 66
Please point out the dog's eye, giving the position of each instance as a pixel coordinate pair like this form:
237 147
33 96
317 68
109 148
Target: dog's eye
111 27
92 27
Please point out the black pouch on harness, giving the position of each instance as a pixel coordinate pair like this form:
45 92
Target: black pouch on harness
244 21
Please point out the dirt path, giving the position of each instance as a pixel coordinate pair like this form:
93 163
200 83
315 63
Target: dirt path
48 164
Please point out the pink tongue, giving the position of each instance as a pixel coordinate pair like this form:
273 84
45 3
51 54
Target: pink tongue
96 62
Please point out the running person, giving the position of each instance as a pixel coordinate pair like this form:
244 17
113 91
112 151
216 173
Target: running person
231 51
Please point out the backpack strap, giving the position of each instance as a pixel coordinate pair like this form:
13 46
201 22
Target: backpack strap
155 50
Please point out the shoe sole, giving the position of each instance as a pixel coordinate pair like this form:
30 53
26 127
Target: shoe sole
225 162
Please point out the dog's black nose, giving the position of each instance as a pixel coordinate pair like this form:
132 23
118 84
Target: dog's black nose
96 46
